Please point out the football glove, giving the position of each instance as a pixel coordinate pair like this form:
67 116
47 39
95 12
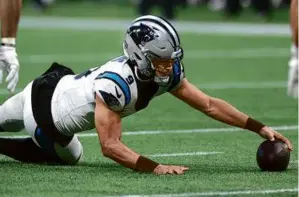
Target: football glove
9 64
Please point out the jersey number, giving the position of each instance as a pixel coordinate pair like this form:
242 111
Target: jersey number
130 79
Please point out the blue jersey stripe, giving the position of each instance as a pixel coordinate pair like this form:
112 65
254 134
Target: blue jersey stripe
176 75
116 78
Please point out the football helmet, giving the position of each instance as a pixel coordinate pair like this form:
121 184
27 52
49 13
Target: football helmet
151 38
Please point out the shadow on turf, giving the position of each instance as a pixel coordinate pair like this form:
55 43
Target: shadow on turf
90 167
107 167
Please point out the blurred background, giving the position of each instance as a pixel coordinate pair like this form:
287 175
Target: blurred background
199 10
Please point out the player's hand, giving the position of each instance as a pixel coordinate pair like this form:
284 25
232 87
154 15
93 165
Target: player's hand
169 169
293 78
270 134
10 64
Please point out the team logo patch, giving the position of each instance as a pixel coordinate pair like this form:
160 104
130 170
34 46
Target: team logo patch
110 99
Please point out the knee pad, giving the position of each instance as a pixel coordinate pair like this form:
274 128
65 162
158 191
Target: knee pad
71 153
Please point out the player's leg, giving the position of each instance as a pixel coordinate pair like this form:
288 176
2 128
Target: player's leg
11 120
61 149
293 62
26 150
37 148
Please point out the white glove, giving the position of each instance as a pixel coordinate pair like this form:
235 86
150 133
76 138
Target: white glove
293 77
10 64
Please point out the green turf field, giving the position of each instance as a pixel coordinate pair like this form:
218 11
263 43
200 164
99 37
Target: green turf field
249 72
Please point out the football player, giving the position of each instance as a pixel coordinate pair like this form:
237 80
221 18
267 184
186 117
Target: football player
10 15
59 104
293 63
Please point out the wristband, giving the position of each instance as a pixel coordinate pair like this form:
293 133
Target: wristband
145 165
254 125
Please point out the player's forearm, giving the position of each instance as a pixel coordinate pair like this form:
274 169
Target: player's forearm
113 148
120 153
10 15
224 112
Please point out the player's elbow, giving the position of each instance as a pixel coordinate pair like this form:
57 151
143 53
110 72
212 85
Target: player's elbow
208 107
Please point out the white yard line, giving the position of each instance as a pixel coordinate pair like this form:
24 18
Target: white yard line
155 132
243 85
243 53
219 86
80 24
221 193
185 154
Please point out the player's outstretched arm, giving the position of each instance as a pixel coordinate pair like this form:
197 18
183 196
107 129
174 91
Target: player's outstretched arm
108 125
10 14
222 111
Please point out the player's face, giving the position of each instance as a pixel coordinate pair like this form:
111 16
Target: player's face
163 67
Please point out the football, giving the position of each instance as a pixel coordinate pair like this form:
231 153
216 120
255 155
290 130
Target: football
273 156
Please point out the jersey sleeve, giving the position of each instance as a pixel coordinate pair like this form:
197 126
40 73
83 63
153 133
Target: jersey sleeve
113 90
177 77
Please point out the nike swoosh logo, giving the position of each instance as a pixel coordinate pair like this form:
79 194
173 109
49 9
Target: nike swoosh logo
117 93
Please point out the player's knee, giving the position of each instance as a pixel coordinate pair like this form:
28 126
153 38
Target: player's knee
70 154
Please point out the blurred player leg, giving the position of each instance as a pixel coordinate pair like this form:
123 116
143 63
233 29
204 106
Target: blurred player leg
293 63
263 7
9 64
145 6
233 7
168 7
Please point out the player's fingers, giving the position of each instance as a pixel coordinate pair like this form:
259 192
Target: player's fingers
180 170
13 83
290 146
11 74
284 139
270 136
1 74
185 168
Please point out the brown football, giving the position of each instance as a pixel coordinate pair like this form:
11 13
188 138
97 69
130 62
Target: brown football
273 156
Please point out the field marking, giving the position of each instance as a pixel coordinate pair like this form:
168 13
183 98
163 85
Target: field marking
155 132
243 85
220 193
80 24
245 53
185 154
216 86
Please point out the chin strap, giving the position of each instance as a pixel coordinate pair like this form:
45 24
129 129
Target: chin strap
162 81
